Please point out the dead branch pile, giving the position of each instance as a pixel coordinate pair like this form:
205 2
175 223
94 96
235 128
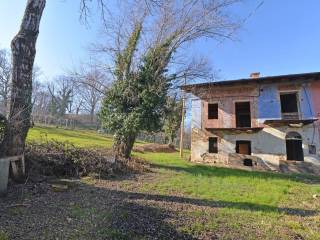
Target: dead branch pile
53 158
154 147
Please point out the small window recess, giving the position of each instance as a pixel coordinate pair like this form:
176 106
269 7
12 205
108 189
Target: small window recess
213 145
247 162
312 149
213 111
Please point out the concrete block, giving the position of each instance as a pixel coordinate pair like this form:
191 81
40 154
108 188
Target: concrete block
4 175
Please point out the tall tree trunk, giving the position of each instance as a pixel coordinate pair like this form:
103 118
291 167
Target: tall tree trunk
23 47
124 147
92 114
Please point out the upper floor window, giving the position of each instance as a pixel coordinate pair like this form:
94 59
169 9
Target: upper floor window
289 105
288 102
243 115
213 111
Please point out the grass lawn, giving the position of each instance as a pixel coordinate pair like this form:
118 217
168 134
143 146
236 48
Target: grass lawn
80 138
235 203
246 203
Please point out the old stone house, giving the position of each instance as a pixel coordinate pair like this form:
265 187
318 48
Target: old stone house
268 123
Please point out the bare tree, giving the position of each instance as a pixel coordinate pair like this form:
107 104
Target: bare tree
36 84
91 83
61 92
41 99
183 21
186 22
5 76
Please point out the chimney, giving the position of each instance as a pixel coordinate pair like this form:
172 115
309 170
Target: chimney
255 75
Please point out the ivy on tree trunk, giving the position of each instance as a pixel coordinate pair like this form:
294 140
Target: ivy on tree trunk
123 147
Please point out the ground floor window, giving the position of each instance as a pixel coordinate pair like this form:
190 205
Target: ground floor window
213 145
243 147
294 146
247 162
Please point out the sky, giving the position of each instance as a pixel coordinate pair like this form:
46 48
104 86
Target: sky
279 37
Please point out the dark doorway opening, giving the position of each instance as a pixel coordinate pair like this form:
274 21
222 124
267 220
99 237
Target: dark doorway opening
294 146
243 147
243 115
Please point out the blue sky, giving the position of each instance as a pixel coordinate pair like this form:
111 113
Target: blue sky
281 37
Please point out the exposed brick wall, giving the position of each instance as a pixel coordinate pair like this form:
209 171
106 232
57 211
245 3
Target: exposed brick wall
226 98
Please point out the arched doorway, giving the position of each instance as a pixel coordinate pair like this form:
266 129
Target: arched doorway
294 146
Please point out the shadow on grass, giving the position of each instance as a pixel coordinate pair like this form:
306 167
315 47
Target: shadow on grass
107 213
218 204
141 221
94 213
211 171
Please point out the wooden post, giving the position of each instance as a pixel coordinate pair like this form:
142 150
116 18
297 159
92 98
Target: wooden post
182 121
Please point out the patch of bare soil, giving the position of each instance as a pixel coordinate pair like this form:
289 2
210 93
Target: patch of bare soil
155 147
